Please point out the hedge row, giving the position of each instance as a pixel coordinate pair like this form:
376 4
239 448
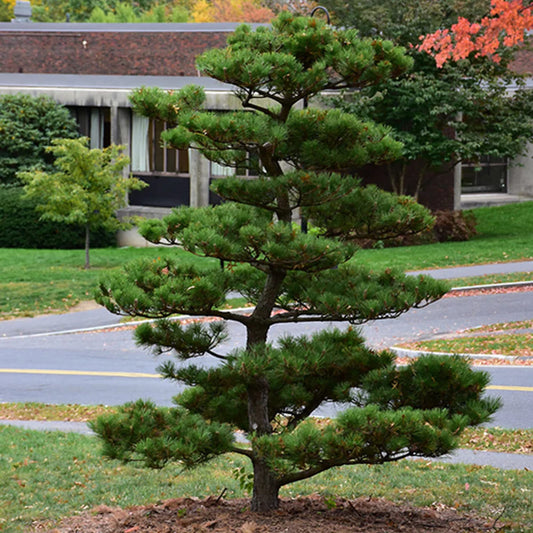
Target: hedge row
20 227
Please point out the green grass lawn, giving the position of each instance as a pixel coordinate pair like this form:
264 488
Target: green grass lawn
43 281
479 438
505 233
47 475
511 344
512 339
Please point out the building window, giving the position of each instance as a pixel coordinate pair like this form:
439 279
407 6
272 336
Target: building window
247 168
489 174
95 123
149 154
163 158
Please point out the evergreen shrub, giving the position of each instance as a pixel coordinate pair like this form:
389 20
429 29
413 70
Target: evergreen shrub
21 227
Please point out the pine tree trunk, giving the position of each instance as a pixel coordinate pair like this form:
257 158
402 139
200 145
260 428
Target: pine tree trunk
265 492
87 243
266 489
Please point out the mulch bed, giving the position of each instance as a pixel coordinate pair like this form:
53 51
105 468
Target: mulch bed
300 515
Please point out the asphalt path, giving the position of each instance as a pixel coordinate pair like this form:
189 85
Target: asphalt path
478 270
106 367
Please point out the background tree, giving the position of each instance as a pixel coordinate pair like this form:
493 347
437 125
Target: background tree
269 390
506 26
6 10
403 22
87 188
441 115
127 12
57 10
110 10
297 7
27 126
440 127
102 11
230 11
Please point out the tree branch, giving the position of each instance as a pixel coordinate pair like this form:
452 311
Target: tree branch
242 451
310 472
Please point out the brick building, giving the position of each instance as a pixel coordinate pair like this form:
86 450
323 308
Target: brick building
91 69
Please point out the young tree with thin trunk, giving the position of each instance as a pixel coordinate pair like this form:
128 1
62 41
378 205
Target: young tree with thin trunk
269 390
87 188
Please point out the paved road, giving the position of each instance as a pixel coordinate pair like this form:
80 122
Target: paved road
100 317
478 270
96 367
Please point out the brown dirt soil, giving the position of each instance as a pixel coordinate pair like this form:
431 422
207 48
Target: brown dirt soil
300 515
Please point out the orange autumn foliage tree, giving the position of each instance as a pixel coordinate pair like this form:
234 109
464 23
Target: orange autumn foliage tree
507 24
230 11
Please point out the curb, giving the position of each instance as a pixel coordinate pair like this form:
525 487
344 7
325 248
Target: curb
414 354
507 285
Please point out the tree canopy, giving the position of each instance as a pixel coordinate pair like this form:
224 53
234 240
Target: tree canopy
461 111
160 10
268 390
87 186
6 10
506 26
230 11
403 22
27 126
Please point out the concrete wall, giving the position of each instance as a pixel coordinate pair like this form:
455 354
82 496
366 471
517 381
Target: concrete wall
520 175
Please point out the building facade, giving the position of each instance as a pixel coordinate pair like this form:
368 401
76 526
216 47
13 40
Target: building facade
92 68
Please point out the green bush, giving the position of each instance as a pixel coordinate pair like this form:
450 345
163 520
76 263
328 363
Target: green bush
450 226
27 127
21 227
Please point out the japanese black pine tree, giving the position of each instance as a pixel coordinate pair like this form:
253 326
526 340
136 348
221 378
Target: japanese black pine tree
300 155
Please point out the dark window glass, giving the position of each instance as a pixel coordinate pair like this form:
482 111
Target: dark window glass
163 158
487 175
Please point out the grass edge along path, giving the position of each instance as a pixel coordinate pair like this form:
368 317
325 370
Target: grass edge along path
508 344
46 281
52 475
508 340
481 439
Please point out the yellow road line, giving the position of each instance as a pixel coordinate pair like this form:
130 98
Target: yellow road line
145 375
510 387
78 373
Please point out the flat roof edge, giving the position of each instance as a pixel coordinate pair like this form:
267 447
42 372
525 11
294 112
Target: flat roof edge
107 82
149 27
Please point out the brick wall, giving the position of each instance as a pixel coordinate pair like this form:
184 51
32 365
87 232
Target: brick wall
523 63
437 189
117 53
